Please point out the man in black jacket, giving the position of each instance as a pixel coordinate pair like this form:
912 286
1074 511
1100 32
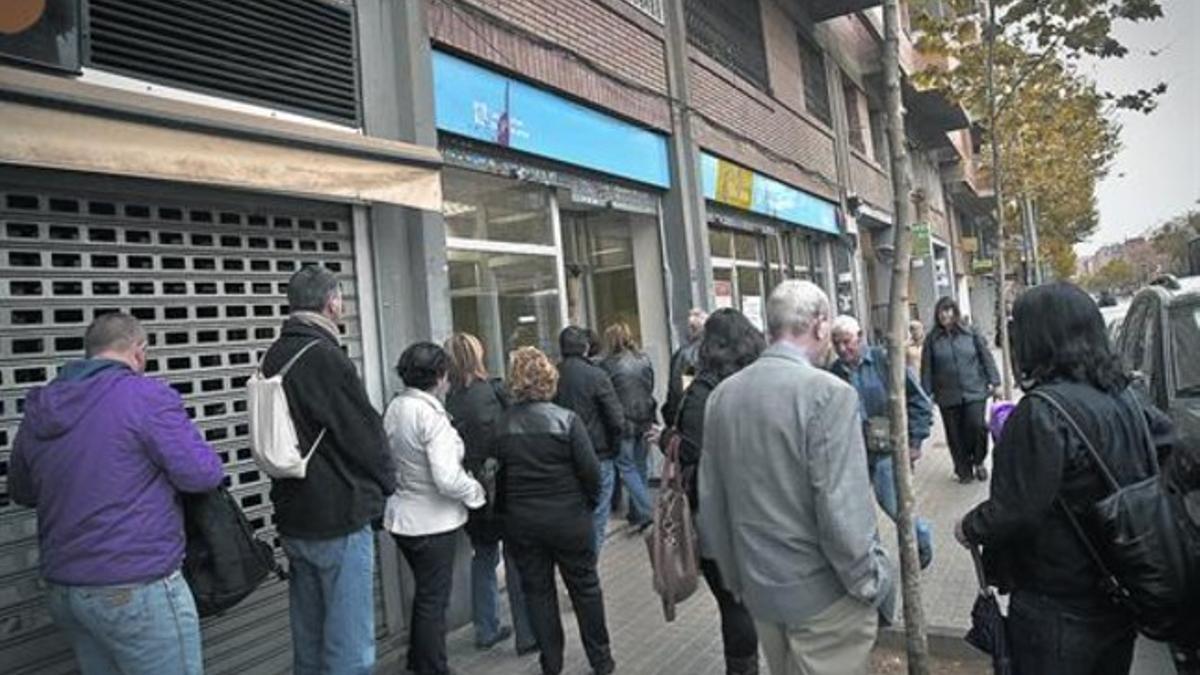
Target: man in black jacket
585 388
324 520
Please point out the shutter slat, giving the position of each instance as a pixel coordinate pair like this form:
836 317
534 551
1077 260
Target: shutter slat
295 55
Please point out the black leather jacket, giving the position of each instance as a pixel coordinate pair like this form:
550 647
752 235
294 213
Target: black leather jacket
549 479
585 389
474 411
1028 541
633 379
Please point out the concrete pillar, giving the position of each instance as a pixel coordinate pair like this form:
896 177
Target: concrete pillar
684 219
408 247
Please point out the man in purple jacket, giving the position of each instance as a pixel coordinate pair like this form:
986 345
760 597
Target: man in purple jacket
102 453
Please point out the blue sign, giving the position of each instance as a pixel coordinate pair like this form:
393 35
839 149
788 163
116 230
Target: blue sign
477 103
767 196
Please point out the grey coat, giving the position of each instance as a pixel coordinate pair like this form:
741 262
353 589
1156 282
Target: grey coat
957 367
786 507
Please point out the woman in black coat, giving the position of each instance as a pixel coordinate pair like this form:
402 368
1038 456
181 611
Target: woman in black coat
1060 619
958 370
475 403
547 489
730 343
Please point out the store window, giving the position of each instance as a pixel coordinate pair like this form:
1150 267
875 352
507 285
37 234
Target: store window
483 207
598 254
738 268
503 263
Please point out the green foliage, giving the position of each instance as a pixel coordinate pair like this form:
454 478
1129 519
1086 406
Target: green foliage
1172 239
1057 131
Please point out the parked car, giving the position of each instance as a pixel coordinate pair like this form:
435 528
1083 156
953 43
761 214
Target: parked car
1160 341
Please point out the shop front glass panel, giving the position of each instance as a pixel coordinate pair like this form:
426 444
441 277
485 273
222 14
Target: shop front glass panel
507 300
751 295
723 287
720 243
601 279
799 256
485 207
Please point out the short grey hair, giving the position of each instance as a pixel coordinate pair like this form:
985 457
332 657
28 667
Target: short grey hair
114 331
795 307
845 325
311 288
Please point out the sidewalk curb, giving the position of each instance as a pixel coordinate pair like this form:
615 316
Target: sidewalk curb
944 642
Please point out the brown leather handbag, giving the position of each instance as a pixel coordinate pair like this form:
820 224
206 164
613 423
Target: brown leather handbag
671 542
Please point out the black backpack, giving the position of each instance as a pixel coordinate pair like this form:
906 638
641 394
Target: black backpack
1147 563
224 561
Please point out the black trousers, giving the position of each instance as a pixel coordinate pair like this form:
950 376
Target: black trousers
738 635
1047 637
431 558
536 561
966 434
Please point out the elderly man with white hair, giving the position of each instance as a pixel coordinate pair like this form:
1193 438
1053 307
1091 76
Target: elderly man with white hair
785 506
867 369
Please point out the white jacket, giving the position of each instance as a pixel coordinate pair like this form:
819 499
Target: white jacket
433 491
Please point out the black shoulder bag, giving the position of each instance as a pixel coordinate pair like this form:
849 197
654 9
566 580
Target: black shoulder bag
1140 551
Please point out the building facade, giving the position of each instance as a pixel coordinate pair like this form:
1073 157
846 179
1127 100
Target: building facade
501 167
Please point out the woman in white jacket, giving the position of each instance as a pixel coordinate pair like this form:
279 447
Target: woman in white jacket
433 493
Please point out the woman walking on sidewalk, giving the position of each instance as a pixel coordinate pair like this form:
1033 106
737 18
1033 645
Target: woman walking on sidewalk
958 370
547 490
433 492
475 403
730 343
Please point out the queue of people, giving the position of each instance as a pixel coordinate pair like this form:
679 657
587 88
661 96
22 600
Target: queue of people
782 447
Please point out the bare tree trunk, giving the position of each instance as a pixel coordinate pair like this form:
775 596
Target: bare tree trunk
910 567
997 185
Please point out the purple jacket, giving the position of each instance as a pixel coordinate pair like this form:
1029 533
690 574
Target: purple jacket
102 453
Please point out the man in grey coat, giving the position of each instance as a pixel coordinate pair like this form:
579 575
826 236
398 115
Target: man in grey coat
785 501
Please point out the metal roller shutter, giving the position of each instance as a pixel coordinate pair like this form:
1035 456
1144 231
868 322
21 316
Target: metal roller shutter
206 273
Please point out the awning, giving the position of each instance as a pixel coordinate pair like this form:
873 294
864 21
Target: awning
58 123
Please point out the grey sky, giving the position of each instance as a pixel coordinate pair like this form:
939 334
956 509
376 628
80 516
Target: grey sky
1157 174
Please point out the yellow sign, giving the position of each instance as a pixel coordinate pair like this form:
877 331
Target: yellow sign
735 185
970 244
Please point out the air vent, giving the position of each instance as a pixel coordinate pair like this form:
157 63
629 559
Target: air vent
295 55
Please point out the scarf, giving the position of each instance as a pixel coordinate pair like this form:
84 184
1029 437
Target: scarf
320 321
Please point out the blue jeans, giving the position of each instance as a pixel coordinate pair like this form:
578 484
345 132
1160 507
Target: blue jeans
485 596
883 480
639 494
331 589
130 629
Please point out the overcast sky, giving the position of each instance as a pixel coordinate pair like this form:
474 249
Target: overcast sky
1156 176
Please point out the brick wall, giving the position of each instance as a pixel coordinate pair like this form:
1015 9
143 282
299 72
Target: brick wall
600 51
871 183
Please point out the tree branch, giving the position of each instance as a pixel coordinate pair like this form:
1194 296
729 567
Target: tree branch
1041 60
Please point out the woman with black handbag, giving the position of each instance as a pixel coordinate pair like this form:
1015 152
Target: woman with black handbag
730 343
1045 480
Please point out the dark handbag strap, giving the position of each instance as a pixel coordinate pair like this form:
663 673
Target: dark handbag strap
1087 442
1111 584
292 361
